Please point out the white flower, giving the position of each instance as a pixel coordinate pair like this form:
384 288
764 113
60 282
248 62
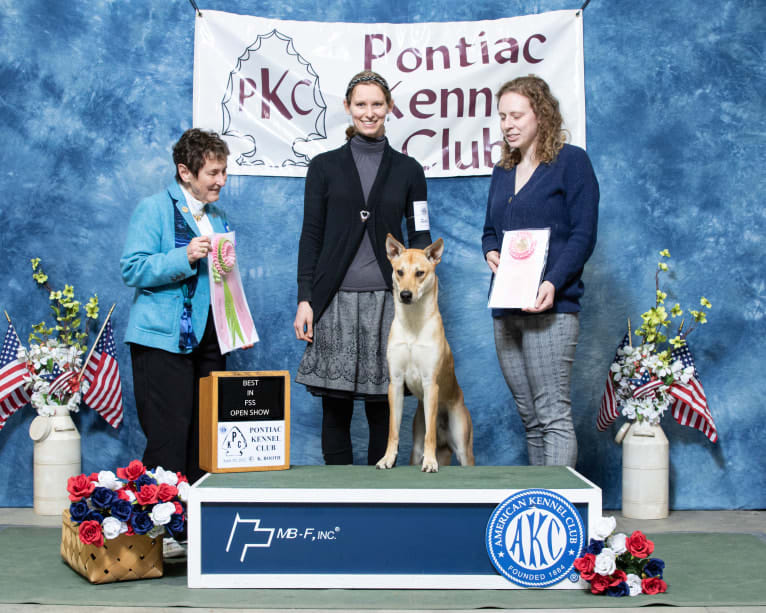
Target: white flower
113 527
165 476
634 583
106 478
606 562
603 528
161 513
155 531
183 491
130 494
616 543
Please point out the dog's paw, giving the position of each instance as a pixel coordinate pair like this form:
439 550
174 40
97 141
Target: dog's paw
430 466
386 462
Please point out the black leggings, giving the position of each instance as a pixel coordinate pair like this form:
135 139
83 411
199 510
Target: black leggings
336 429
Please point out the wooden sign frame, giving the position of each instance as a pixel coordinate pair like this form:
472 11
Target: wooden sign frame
258 436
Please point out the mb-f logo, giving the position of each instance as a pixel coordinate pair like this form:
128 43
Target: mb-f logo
533 538
247 534
273 107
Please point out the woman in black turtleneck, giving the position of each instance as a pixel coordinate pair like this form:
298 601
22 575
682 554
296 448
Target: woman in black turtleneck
354 196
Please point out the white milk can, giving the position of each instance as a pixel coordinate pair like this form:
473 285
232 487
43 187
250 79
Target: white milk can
56 458
645 463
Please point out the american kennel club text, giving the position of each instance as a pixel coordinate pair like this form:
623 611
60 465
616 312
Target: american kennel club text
533 538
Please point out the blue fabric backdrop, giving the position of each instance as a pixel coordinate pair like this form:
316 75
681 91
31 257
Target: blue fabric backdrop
94 94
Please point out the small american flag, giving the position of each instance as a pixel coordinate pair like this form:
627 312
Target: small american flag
645 385
689 400
13 394
105 392
608 412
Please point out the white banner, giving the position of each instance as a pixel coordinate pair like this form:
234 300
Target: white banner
274 89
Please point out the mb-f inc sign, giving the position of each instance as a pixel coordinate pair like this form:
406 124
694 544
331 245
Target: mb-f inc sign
245 421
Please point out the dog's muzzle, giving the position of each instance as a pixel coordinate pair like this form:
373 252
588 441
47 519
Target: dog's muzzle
405 296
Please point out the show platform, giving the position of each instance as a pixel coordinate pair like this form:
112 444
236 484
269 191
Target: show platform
359 527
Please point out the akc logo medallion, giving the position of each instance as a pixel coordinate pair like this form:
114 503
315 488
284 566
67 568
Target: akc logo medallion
533 538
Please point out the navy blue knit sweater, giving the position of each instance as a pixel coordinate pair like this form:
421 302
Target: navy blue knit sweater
562 196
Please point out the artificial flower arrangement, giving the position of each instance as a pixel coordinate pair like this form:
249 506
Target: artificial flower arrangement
134 501
55 352
619 565
643 377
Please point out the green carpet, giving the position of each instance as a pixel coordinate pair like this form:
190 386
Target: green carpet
702 570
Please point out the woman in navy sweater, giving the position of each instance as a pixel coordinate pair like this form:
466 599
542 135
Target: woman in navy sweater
354 196
541 182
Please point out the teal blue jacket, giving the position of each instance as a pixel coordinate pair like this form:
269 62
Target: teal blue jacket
152 264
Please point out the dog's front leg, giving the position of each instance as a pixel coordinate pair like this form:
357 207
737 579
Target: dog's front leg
395 409
431 410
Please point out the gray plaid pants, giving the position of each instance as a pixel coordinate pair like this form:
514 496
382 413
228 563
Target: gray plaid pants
536 353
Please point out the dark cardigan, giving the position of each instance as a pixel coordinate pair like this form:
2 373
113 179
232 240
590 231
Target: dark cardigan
332 226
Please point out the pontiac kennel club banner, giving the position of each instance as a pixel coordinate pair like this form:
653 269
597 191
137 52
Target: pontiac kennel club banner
274 89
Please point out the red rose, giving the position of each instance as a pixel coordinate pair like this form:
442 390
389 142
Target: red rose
167 492
132 471
617 577
638 545
182 478
653 585
79 487
179 507
130 531
599 583
147 494
122 494
584 566
90 533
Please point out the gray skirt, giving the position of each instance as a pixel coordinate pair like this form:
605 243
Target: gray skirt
348 355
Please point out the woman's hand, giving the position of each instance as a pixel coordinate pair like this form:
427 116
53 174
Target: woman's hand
493 260
545 294
197 248
304 322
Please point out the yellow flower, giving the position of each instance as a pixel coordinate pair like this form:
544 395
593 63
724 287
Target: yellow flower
662 266
676 310
55 296
68 291
35 263
665 253
661 296
705 302
91 309
40 277
677 342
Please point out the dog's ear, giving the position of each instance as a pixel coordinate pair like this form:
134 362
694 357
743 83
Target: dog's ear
434 251
393 247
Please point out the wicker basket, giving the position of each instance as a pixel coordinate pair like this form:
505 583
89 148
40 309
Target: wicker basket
124 558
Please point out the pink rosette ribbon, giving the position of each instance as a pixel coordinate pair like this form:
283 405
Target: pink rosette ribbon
224 257
522 245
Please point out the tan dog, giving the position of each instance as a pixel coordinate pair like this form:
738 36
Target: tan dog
418 355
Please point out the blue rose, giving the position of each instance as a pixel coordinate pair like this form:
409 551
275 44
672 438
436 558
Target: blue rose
78 510
595 547
102 497
121 509
177 524
144 480
141 522
94 515
654 567
621 589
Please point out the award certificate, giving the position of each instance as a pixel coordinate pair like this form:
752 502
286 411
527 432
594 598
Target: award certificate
522 262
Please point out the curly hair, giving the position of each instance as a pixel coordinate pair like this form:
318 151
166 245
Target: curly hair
195 147
550 135
366 77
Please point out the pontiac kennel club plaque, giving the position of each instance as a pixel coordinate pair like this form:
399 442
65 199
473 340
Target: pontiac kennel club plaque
245 421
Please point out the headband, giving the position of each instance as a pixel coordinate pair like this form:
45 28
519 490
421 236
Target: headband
364 79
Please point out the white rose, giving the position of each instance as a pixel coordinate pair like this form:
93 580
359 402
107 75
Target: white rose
165 476
112 527
616 543
634 583
161 513
606 562
603 528
183 491
106 478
